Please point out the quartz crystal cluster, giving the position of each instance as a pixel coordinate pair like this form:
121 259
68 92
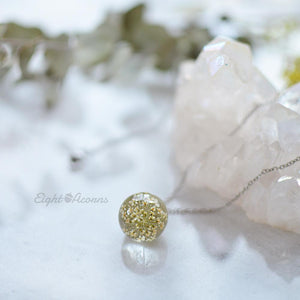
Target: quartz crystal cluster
230 123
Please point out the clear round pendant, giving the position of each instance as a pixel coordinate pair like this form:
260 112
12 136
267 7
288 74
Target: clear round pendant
143 217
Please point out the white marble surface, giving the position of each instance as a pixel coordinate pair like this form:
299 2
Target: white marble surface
77 251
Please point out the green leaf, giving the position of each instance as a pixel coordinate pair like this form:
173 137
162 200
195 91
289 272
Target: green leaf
52 93
192 40
25 53
132 19
30 37
166 54
58 58
5 60
4 56
150 38
97 47
16 31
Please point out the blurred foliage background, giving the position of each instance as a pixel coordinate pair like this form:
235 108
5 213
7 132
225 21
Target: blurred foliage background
123 41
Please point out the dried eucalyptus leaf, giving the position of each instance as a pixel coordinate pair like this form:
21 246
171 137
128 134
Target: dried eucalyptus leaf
191 41
121 55
25 53
132 19
166 54
150 38
141 35
123 40
244 39
89 56
16 31
30 35
52 93
93 49
2 29
58 59
96 47
155 40
5 60
5 55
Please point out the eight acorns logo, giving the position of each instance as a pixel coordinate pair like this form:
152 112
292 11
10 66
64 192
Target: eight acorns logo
68 197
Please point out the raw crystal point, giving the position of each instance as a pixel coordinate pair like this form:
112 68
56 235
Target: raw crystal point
229 124
214 95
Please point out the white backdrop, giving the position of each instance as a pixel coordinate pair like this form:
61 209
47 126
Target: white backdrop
77 251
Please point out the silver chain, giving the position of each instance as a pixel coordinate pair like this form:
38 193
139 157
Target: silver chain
83 154
235 198
238 195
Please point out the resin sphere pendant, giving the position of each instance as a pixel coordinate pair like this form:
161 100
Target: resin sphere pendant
143 217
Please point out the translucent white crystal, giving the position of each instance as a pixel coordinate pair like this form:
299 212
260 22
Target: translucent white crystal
230 125
291 98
